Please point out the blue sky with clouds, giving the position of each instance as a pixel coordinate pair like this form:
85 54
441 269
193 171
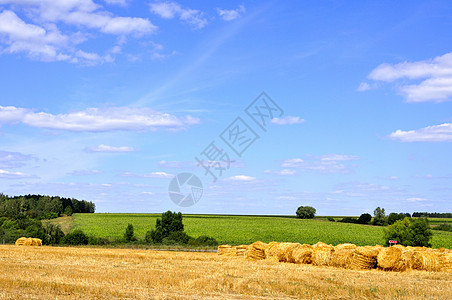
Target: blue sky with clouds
108 100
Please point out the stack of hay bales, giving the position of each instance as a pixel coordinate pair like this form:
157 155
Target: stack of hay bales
446 261
396 258
321 254
240 250
365 258
302 254
271 252
256 250
23 241
342 255
226 250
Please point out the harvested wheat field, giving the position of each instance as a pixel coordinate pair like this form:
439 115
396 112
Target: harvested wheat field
67 273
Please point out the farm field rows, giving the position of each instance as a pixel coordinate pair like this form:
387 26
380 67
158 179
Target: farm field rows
237 230
67 273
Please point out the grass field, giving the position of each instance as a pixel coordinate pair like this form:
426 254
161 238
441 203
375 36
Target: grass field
99 273
247 229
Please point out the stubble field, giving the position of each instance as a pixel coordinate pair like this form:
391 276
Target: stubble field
67 273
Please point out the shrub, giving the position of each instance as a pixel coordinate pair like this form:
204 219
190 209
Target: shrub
364 219
445 227
394 217
68 211
203 241
306 212
331 219
128 235
409 232
179 237
77 237
53 233
348 220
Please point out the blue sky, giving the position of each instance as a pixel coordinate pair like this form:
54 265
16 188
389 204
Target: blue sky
108 100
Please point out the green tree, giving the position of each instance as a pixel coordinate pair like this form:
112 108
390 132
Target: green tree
306 212
128 235
53 233
409 232
394 217
364 219
68 211
170 222
77 237
379 217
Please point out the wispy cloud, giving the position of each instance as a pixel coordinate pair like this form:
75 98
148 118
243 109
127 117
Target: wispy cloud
14 175
436 133
9 160
284 172
97 119
435 75
231 14
110 149
329 163
147 175
288 120
416 199
241 178
170 10
85 172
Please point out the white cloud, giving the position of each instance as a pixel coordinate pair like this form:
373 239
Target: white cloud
329 163
42 39
231 14
110 149
288 120
13 175
284 172
415 199
436 133
96 119
117 2
169 10
84 172
148 175
242 178
436 76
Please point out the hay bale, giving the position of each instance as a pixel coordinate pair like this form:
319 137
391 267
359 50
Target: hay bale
256 250
388 257
321 254
302 254
36 242
405 261
342 255
20 241
271 252
28 242
446 262
364 258
240 250
224 249
426 260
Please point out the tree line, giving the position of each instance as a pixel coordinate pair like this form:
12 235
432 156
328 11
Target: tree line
42 207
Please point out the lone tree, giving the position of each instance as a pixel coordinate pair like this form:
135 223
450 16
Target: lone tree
128 235
379 217
170 222
306 212
394 217
364 219
409 232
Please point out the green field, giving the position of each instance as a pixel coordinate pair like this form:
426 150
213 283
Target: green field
247 229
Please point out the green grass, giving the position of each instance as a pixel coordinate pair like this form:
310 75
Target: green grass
437 221
247 229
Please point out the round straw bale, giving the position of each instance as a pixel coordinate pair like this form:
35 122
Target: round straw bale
405 261
256 250
388 257
342 256
271 252
321 254
20 241
446 262
28 242
426 260
240 250
222 249
36 242
302 254
344 246
364 258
